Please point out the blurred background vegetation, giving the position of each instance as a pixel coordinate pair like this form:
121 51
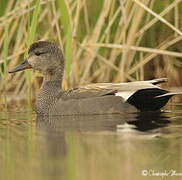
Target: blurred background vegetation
102 40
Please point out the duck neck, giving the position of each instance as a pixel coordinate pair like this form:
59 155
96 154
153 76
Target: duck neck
49 93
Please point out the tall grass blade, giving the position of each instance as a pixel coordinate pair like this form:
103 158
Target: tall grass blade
31 36
5 55
71 157
9 152
66 24
68 51
3 7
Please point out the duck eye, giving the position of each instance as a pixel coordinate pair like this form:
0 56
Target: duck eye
38 53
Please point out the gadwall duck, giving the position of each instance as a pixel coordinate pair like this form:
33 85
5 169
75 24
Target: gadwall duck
99 98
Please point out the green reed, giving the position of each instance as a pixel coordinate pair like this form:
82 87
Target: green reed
71 169
5 55
31 36
68 33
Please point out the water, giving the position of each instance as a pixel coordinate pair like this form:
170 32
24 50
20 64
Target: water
135 146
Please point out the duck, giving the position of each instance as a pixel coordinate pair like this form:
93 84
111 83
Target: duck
99 98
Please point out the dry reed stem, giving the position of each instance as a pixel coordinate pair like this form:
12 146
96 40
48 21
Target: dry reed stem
155 19
150 57
135 48
57 25
132 35
141 36
159 17
142 67
21 13
76 20
86 17
176 17
95 36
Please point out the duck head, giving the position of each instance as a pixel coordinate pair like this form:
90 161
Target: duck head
44 57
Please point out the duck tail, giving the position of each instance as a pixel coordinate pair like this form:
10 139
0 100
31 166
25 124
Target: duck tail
169 94
158 81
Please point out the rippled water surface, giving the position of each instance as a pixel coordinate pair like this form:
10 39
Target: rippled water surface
112 147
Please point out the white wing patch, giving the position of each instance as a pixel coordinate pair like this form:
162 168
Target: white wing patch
125 94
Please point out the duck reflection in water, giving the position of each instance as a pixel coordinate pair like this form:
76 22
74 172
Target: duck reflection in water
58 125
60 133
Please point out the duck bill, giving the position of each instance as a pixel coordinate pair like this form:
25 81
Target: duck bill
24 65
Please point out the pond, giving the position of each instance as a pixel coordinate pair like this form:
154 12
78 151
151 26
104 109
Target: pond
99 147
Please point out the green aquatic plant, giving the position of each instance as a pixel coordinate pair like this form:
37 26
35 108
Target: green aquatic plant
5 55
31 35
